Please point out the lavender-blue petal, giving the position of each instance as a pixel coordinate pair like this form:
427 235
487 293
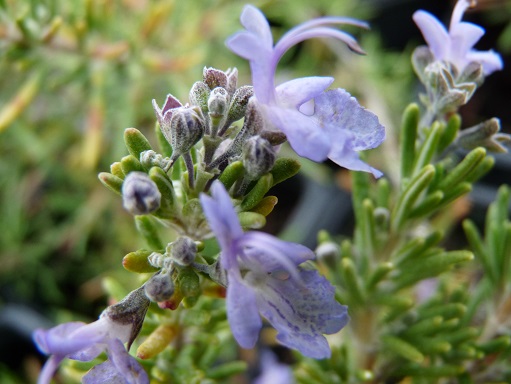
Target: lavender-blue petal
273 372
127 366
60 340
255 21
49 369
303 133
104 373
272 253
433 32
222 219
490 60
302 314
296 92
341 115
242 312
346 157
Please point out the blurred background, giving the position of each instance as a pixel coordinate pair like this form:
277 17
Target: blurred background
74 74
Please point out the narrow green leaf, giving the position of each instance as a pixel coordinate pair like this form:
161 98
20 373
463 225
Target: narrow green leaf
450 132
428 206
137 262
257 193
428 149
112 182
131 164
383 192
447 311
424 326
227 370
136 142
147 228
231 174
283 169
251 220
430 267
410 195
352 281
402 348
482 169
409 126
169 204
116 170
463 169
495 345
444 370
381 271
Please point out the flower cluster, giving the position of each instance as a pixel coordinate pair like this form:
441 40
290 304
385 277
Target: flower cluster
450 68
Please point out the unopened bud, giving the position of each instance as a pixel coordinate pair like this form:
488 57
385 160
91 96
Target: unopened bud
218 102
150 159
486 134
232 80
164 115
199 95
187 128
258 157
214 78
159 287
329 253
140 195
421 58
183 251
239 102
473 73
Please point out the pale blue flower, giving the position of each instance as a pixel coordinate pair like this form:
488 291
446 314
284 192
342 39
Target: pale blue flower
84 342
456 45
319 124
264 278
272 371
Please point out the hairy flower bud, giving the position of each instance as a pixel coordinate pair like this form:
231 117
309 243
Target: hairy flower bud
486 134
150 159
239 102
199 95
183 251
187 128
218 102
159 287
232 80
140 195
164 115
258 157
214 78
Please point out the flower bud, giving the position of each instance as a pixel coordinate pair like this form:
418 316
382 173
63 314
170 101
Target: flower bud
239 102
140 195
232 80
159 287
486 134
150 159
421 58
218 102
258 157
183 251
214 78
187 128
164 115
199 95
473 73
